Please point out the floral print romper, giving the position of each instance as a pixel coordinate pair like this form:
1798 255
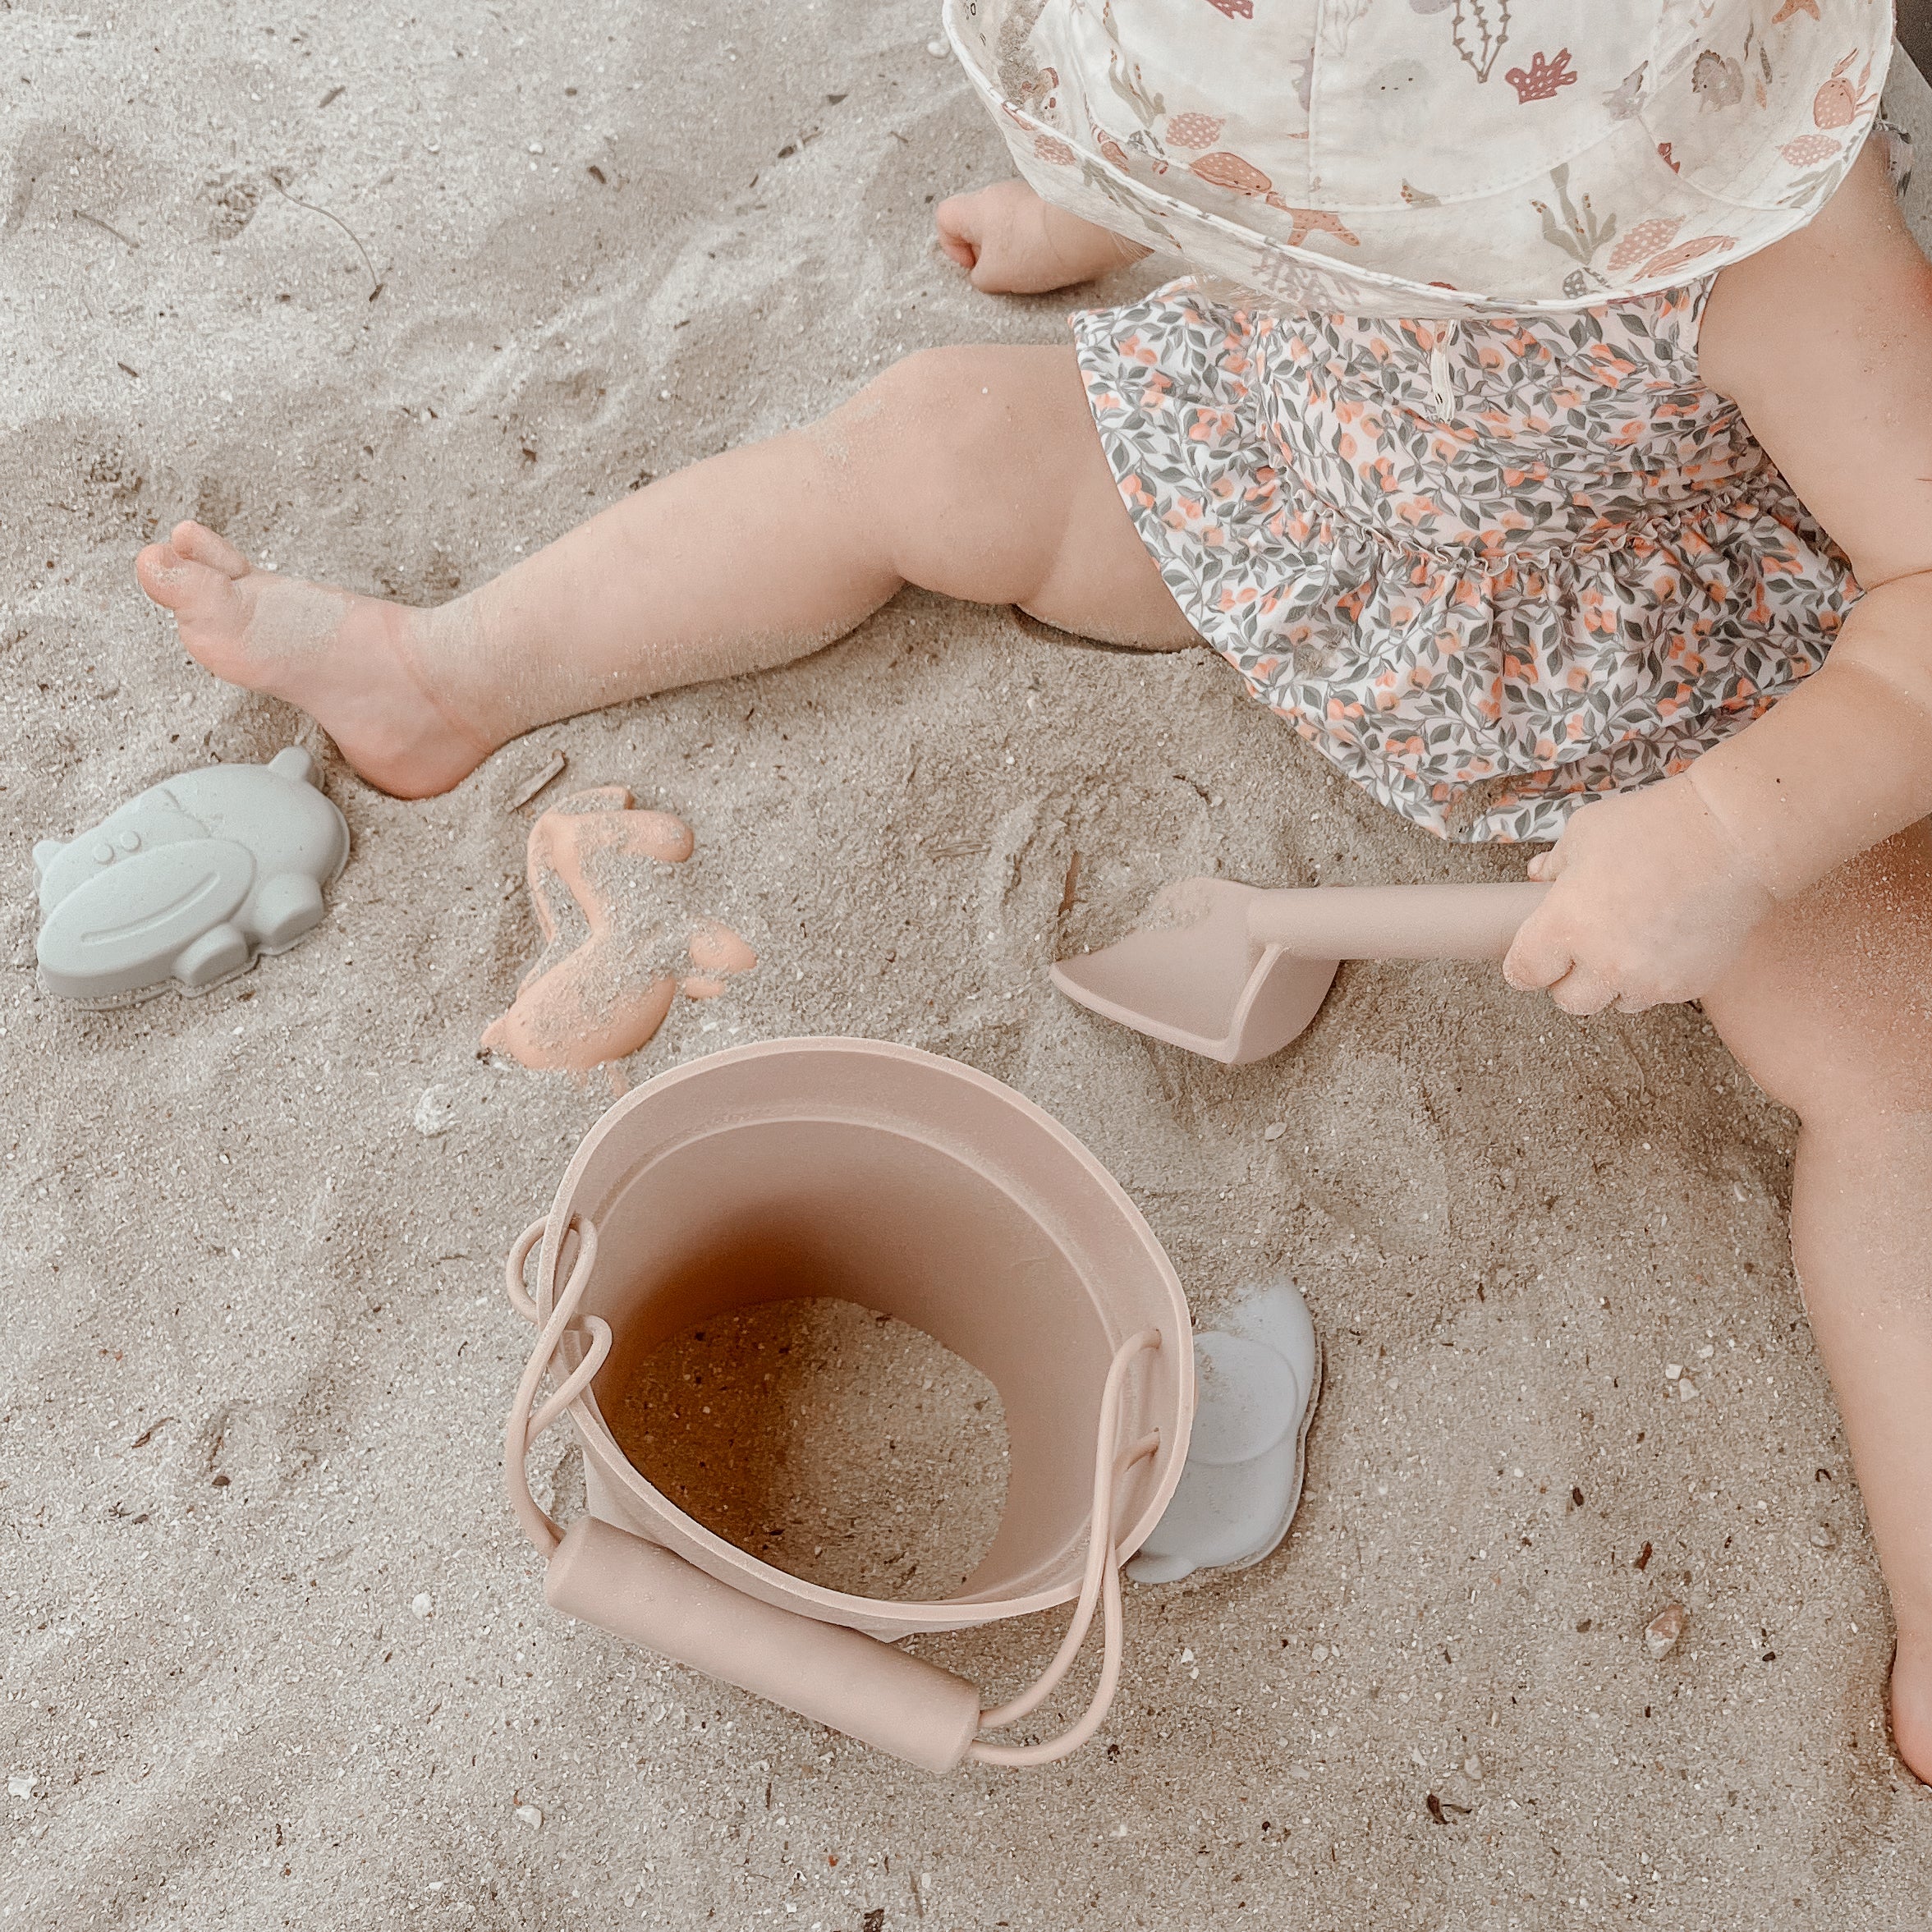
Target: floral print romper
1491 568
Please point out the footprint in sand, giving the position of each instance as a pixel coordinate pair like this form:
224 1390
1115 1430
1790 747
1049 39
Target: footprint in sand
592 1002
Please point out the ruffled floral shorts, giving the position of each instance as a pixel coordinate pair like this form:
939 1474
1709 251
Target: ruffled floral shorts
1490 569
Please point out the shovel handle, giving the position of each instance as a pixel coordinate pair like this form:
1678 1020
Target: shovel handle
1393 921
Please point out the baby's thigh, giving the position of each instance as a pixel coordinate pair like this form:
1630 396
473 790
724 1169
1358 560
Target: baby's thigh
984 472
1829 1008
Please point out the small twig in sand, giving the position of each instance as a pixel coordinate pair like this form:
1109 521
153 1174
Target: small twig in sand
536 781
275 182
94 221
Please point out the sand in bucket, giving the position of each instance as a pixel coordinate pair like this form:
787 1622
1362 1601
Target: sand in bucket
834 1442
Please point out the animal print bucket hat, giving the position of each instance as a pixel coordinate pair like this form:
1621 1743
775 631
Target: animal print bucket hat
1435 158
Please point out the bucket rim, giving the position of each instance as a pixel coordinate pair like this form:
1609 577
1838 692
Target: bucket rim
728 1561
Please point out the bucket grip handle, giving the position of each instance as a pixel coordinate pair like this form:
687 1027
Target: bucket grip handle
891 1679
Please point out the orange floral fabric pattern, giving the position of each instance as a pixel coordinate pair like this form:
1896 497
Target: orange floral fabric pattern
1491 569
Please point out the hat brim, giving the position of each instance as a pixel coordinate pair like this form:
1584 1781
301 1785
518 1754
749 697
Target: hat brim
1530 248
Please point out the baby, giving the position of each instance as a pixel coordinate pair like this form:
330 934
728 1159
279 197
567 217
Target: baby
1579 550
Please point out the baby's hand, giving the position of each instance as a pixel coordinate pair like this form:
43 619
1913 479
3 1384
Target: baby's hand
1015 244
1649 902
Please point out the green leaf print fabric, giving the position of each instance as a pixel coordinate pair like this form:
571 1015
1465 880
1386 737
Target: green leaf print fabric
1491 568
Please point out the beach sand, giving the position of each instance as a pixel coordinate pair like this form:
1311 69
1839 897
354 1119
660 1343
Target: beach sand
276 1654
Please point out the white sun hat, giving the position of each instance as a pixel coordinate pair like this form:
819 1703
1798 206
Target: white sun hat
1435 158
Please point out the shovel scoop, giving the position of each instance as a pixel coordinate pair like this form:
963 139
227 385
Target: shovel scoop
1235 972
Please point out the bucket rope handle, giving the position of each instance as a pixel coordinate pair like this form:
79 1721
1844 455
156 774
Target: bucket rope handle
523 1428
1099 1583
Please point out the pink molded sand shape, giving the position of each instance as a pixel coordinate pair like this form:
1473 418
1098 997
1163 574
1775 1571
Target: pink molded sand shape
717 952
604 999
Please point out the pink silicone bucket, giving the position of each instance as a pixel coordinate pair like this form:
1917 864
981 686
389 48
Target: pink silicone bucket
908 1184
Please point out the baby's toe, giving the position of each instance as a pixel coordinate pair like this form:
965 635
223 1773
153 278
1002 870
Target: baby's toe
204 600
163 573
200 544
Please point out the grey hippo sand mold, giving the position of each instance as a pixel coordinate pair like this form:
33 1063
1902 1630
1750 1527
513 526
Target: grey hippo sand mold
190 882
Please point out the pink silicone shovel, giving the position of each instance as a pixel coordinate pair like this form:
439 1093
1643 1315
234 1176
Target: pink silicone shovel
1235 972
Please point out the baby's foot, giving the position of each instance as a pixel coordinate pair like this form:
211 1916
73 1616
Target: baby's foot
1911 1706
355 664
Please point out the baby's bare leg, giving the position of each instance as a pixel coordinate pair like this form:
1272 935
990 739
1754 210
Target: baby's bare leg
974 472
1830 1010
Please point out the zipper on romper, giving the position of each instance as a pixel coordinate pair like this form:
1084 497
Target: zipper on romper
1442 379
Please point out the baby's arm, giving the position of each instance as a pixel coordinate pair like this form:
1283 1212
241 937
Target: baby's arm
1825 342
1015 243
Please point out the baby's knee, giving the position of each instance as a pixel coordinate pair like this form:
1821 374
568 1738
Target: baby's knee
1830 1009
930 445
1833 1060
948 404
